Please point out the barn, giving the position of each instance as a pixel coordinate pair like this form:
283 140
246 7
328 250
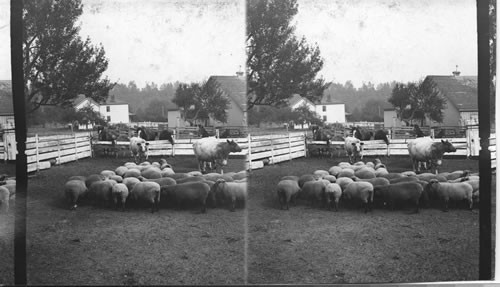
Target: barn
6 105
460 93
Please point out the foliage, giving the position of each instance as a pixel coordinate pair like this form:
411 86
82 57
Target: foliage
304 115
86 116
414 101
58 64
493 56
278 64
199 102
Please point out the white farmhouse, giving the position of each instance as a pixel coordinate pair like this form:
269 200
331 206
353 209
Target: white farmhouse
328 110
112 110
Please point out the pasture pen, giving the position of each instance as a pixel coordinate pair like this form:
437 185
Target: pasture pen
260 150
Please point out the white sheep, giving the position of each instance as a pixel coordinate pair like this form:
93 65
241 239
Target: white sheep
74 190
4 199
447 191
119 192
287 191
231 192
147 191
333 192
360 191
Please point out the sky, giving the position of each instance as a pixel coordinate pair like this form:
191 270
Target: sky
360 40
380 41
160 41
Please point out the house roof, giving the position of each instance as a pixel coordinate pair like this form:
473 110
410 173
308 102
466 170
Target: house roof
324 100
235 87
297 98
80 98
388 106
111 100
6 103
461 91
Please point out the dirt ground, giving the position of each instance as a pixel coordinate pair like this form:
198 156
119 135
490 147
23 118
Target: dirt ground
313 245
95 246
262 244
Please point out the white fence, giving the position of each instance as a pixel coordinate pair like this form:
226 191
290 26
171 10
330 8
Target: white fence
41 151
271 149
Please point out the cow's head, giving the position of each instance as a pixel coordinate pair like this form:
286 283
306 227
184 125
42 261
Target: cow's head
143 147
447 146
233 146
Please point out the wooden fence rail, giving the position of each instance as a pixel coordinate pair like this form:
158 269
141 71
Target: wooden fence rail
41 151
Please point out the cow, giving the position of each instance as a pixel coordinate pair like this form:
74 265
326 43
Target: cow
353 148
214 152
139 148
425 150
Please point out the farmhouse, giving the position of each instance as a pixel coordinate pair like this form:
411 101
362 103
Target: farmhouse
330 111
460 93
234 88
6 105
112 110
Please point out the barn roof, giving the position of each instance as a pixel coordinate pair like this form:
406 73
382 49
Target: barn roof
6 103
461 91
235 87
111 100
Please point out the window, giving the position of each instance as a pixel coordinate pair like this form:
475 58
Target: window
107 109
324 108
324 118
108 118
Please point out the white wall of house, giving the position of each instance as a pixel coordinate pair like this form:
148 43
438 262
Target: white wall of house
7 122
331 113
87 102
311 107
115 113
175 119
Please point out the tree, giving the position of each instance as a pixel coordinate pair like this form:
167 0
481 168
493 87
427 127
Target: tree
199 102
278 64
493 56
58 64
304 115
414 101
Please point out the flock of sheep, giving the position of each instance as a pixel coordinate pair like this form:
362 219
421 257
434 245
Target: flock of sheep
157 184
371 182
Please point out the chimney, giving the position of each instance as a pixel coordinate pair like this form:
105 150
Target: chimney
240 73
456 73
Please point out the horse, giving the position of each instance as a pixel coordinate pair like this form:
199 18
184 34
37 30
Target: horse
365 135
146 134
166 135
202 132
418 132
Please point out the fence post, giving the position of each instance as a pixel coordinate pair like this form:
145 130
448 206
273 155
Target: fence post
432 133
249 156
305 144
175 139
289 147
36 153
217 133
272 150
58 151
76 152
